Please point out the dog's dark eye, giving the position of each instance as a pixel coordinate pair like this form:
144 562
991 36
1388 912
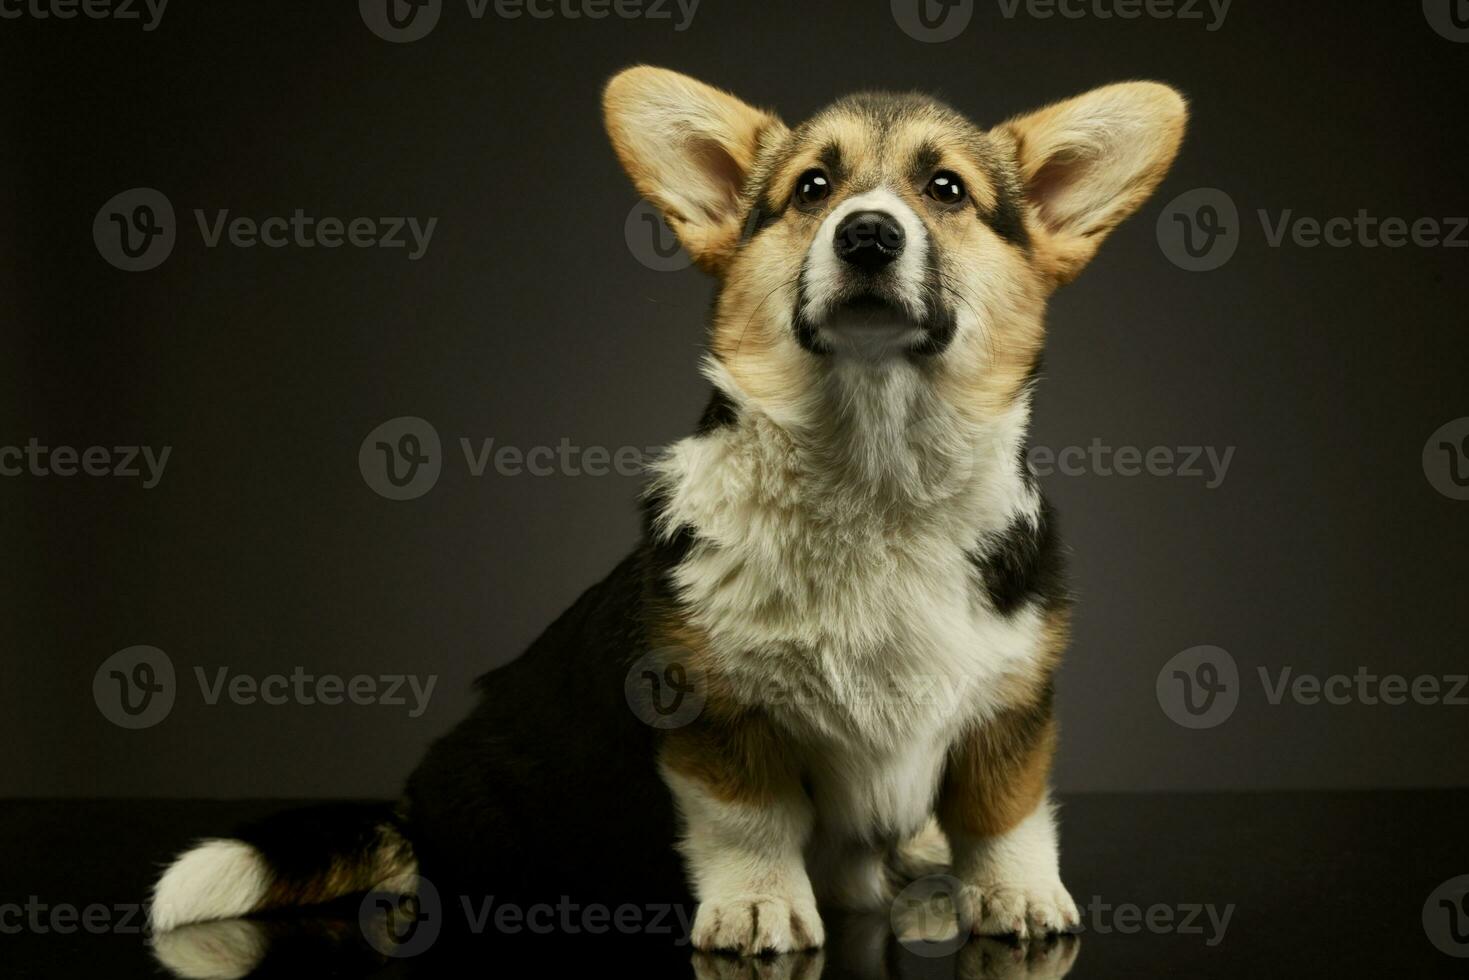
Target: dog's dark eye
946 188
812 187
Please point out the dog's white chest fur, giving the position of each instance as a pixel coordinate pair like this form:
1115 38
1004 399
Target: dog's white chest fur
852 617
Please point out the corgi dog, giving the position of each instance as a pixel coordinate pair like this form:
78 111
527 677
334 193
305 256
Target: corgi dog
847 577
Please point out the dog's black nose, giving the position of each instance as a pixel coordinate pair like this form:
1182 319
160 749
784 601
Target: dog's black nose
869 239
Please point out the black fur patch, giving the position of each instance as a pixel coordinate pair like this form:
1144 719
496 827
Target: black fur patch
1037 368
664 552
769 206
761 216
1025 564
1007 219
1026 474
925 161
302 845
831 161
549 789
720 413
941 326
1032 378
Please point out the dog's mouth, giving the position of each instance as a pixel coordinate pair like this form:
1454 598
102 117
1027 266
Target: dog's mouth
872 325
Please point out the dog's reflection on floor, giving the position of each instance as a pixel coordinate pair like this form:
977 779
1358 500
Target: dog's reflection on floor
268 947
340 944
854 956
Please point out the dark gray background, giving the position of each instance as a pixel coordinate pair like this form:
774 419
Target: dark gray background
530 321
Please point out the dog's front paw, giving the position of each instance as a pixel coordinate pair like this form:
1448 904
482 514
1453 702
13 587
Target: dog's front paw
754 924
1023 911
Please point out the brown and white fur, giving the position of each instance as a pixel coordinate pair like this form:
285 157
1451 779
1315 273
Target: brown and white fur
849 555
861 679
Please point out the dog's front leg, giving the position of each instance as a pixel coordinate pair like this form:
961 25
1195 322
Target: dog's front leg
746 820
995 809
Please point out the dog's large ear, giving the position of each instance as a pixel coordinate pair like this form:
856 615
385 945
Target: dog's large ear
688 148
1089 162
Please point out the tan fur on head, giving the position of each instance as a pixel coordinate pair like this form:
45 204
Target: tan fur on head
722 172
688 148
1091 161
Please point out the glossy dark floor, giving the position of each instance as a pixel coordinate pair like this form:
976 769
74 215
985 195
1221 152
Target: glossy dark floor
1300 885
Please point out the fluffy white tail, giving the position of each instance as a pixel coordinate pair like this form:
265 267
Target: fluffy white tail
297 858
